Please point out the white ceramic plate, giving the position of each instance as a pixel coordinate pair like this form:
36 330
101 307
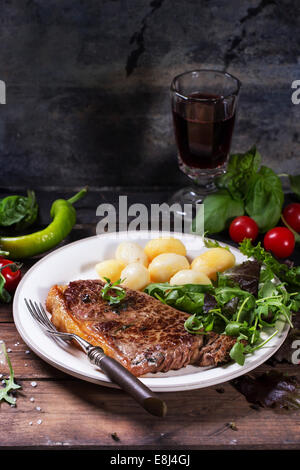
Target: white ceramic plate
77 261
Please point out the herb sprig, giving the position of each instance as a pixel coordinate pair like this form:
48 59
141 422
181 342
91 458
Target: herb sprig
113 292
10 382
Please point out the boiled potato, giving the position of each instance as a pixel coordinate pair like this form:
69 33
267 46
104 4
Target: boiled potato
164 266
135 276
158 246
212 261
110 268
129 252
189 276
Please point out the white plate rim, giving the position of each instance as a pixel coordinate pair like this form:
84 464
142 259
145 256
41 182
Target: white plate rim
230 371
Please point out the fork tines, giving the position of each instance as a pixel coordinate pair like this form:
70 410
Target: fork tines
39 314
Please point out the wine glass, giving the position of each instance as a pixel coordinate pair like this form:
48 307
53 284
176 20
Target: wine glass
204 107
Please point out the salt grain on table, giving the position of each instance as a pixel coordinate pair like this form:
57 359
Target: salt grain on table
33 384
39 421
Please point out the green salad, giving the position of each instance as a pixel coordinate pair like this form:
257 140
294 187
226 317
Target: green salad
244 302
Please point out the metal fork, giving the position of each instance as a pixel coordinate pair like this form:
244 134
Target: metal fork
113 369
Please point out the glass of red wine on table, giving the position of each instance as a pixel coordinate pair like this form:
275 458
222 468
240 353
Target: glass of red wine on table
204 107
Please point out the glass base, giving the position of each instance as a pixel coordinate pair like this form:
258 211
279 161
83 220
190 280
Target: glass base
189 195
187 199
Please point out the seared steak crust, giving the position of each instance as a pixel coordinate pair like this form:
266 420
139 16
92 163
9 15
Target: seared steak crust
142 333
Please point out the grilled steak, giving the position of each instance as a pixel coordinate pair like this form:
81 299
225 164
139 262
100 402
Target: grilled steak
141 333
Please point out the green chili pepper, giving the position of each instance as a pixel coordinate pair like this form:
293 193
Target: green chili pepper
64 218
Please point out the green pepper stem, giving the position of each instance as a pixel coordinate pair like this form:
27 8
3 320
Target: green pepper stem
78 196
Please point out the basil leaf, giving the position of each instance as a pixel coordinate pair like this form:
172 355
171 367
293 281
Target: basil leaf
295 184
219 210
264 199
18 212
241 167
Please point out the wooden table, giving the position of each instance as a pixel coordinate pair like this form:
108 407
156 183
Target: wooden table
64 412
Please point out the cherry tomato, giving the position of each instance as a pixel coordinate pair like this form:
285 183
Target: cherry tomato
280 241
291 215
243 227
12 279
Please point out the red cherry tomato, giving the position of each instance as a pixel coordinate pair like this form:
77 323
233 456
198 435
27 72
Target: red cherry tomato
243 227
12 279
280 241
291 215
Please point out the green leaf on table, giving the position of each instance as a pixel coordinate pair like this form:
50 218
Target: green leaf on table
219 210
295 184
265 198
18 212
10 382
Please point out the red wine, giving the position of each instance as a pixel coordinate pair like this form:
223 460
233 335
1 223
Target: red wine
203 131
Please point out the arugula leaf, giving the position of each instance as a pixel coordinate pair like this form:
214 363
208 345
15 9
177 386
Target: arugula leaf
219 210
214 244
109 287
9 383
237 353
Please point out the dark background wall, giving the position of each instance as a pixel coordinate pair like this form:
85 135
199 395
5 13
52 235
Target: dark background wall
88 84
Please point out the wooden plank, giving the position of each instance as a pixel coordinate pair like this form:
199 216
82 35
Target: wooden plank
85 415
25 363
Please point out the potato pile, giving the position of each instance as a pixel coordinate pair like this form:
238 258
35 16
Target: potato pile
163 260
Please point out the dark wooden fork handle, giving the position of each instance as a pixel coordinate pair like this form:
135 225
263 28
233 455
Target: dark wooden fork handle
128 382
